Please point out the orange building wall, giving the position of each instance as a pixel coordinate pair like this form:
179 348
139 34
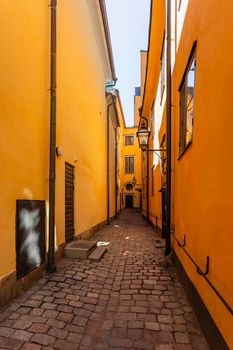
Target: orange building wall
203 176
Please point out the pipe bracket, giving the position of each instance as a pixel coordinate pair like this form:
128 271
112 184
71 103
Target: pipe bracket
182 244
200 272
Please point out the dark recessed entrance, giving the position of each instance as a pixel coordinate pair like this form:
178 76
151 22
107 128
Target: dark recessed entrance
69 202
129 200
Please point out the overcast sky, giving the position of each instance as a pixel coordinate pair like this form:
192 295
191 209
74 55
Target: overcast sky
129 24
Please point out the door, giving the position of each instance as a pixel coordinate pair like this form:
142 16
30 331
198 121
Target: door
129 200
163 214
69 202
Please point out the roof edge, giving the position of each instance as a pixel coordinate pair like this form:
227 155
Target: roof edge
108 37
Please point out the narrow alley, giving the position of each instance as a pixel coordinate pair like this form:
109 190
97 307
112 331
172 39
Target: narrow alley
131 299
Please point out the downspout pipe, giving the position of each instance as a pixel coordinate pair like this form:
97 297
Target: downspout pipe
116 187
108 168
147 187
108 180
168 134
52 161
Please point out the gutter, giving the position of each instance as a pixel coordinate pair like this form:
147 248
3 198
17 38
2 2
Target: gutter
52 161
108 37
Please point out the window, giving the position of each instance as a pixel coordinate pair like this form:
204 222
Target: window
163 69
129 140
187 92
129 165
152 181
129 187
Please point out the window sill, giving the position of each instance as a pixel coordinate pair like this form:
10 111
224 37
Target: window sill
184 150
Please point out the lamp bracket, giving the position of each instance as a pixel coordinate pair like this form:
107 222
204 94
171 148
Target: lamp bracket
155 151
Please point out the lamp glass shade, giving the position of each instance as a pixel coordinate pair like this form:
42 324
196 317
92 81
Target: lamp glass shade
143 138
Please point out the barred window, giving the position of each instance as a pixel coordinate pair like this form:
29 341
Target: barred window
129 165
187 92
129 140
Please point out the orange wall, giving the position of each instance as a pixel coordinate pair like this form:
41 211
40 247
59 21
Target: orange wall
203 176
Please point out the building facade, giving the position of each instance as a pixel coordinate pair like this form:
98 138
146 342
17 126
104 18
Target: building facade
86 124
201 45
129 156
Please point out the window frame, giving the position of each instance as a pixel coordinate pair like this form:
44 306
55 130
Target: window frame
128 156
152 181
163 69
183 145
125 136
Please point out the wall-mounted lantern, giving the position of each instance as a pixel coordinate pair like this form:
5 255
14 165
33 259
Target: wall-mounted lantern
143 135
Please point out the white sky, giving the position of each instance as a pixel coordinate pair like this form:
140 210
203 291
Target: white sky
129 25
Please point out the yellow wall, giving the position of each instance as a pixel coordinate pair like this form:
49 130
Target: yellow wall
82 71
137 105
24 113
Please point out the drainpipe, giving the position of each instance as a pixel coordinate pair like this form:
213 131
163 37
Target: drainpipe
147 188
116 189
168 132
108 175
108 181
52 163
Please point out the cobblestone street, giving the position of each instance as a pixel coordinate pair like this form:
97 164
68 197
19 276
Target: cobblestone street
131 299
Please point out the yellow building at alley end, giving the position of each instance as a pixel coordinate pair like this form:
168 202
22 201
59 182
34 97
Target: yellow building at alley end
75 87
188 86
129 157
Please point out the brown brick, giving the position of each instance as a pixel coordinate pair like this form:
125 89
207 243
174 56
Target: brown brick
182 338
58 333
65 345
43 339
12 344
22 335
22 324
6 331
39 328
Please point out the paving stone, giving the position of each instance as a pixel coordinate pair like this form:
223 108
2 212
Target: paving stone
22 324
43 339
136 324
153 326
164 347
117 342
6 331
65 345
39 328
31 346
131 299
142 344
58 333
80 320
22 335
65 317
74 337
13 344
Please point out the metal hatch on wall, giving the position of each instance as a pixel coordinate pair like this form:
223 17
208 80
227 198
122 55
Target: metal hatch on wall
69 202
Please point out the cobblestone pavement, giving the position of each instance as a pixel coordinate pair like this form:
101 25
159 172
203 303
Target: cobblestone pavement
131 299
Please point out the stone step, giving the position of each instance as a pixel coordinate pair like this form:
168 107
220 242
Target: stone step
79 249
98 253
